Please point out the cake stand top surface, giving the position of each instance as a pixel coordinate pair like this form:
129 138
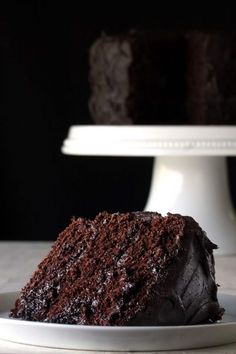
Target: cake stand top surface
151 140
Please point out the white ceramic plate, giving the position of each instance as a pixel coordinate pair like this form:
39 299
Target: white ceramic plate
118 338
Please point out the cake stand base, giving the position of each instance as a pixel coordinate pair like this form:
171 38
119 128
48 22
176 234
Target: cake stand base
196 186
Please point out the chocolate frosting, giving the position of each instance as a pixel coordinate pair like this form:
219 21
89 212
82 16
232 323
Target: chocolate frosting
193 296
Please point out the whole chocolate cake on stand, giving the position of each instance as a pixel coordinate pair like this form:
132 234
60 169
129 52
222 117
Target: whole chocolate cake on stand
170 95
164 78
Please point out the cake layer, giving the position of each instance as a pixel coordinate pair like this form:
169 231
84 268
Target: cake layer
134 268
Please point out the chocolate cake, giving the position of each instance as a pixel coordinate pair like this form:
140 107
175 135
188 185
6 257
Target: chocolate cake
137 268
151 77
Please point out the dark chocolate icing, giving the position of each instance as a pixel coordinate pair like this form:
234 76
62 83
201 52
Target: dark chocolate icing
192 297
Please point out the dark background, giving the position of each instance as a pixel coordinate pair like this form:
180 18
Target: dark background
45 82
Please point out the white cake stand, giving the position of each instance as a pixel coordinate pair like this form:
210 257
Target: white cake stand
189 173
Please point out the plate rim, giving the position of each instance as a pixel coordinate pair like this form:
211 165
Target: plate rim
114 328
117 338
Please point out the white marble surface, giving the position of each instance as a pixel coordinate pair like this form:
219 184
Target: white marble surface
19 259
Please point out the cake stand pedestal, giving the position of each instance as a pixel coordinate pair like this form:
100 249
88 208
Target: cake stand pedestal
189 172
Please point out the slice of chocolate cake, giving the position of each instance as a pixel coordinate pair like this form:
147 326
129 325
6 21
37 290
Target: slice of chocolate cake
135 268
156 77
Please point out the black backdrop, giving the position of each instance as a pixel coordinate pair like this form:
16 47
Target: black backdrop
45 79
